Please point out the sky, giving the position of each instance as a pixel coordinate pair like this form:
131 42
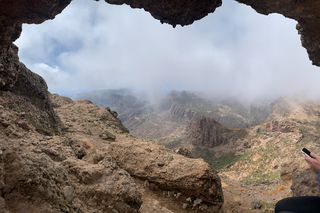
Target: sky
231 52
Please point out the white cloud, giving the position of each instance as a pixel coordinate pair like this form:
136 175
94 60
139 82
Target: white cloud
54 75
233 52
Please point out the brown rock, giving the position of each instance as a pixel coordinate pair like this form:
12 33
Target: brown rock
106 135
209 133
73 172
24 91
105 186
305 183
184 151
287 171
31 178
152 162
2 204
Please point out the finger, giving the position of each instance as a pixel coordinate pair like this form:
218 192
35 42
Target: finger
309 159
315 155
312 154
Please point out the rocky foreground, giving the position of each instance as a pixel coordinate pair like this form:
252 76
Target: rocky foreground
258 165
94 165
77 157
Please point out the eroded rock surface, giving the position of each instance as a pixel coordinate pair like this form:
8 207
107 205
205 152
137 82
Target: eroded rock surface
169 171
42 173
304 183
79 171
209 133
24 91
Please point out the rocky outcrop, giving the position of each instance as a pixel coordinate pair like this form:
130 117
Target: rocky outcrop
80 170
21 90
209 133
24 91
305 183
46 177
169 171
181 114
281 126
40 173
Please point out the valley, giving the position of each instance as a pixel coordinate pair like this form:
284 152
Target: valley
255 148
122 151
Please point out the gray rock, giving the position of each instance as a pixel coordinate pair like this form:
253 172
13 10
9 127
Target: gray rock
256 204
68 193
106 135
184 205
197 202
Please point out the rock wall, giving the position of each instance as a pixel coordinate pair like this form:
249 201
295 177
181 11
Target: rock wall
24 91
209 133
21 89
168 171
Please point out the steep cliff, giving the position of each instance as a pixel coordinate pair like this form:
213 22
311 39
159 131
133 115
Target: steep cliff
24 91
209 133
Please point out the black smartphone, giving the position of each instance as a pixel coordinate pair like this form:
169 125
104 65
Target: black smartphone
306 151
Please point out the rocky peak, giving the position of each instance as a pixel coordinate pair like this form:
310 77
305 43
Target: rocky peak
209 133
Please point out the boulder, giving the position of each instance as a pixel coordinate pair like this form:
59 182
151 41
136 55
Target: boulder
169 171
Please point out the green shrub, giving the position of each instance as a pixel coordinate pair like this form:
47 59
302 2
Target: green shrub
219 163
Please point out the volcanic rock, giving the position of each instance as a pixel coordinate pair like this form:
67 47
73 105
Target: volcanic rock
209 133
191 177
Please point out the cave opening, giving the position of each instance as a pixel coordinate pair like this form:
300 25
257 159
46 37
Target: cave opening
244 55
95 46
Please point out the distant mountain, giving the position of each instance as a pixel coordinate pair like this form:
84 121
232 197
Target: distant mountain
209 133
130 107
169 118
255 148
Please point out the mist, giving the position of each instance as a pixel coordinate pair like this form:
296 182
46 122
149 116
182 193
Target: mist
234 52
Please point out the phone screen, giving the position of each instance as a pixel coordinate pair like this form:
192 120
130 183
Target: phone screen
307 152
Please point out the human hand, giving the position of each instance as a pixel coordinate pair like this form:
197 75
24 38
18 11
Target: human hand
313 162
